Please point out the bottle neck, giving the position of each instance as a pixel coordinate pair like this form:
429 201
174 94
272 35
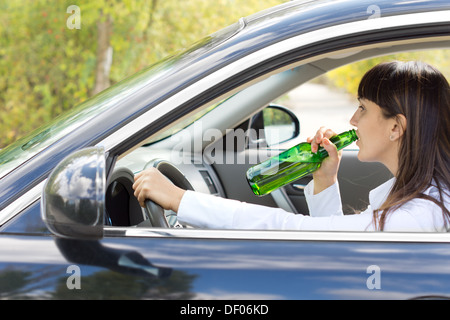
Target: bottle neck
341 141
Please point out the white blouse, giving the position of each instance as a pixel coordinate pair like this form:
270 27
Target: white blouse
207 211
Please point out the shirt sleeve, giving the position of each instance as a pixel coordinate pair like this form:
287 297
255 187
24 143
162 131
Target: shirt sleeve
324 204
207 211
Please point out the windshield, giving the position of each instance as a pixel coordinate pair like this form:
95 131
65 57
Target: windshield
27 147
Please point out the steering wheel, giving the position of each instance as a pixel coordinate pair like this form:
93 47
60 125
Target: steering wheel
157 216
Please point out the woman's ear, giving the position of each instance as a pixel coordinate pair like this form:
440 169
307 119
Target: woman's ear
398 128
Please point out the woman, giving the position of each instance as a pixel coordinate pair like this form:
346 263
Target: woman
403 121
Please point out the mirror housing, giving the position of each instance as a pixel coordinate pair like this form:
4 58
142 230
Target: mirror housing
273 125
73 199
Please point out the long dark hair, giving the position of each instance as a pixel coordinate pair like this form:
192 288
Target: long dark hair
422 94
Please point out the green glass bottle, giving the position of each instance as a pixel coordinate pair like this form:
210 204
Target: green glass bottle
292 164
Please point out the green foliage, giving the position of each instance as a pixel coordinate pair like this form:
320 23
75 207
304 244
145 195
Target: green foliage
347 77
47 68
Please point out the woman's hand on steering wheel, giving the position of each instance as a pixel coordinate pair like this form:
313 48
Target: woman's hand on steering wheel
152 184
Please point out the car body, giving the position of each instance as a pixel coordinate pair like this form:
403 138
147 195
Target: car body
59 237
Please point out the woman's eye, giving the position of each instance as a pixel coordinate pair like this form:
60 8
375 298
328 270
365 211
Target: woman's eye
362 108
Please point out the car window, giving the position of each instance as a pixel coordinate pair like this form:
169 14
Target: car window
28 146
175 128
330 100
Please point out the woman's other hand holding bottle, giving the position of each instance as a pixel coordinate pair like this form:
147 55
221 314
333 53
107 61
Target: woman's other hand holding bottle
326 175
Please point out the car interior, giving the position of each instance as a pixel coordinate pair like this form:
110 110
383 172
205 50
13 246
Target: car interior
211 150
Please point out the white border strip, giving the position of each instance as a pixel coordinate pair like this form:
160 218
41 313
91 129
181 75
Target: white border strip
281 235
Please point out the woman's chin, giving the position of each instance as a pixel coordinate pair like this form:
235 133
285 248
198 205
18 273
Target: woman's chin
361 156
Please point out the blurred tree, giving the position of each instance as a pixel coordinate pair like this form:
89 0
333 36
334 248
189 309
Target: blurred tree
46 67
347 78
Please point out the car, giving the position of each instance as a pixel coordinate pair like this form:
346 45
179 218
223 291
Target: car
71 228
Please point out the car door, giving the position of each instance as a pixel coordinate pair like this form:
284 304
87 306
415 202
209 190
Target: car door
151 263
131 263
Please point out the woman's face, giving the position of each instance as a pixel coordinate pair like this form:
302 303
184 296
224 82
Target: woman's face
375 135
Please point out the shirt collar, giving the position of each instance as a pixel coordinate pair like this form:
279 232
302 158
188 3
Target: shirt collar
379 195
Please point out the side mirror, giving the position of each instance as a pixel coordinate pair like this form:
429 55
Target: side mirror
73 199
273 125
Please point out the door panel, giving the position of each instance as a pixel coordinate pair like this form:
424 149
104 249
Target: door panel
36 268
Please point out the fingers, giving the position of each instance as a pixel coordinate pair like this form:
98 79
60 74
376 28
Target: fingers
143 181
138 188
330 147
152 184
318 139
327 174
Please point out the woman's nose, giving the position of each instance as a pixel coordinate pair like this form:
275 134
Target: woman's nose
354 120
